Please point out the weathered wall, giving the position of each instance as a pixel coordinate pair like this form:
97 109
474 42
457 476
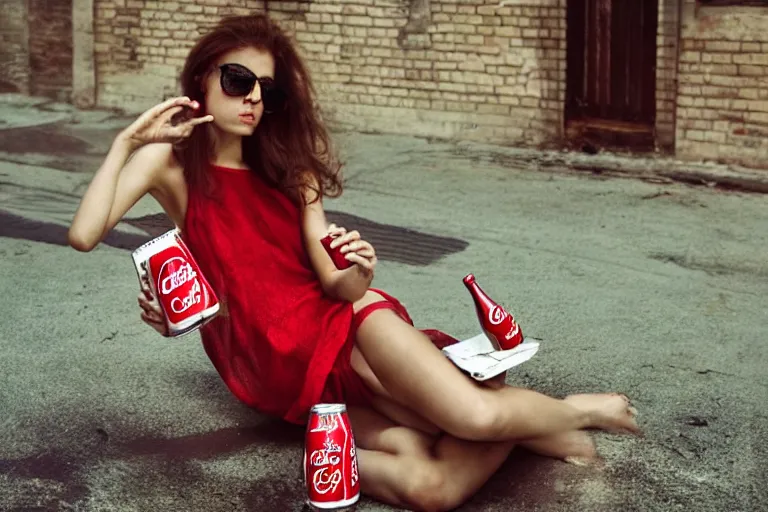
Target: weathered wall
667 50
14 49
483 70
723 95
472 69
50 48
140 45
83 62
465 68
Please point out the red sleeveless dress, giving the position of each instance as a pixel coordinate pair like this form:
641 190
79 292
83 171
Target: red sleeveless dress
279 343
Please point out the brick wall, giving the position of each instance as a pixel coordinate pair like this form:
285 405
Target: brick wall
469 69
485 70
667 50
474 70
50 48
14 51
83 62
150 39
723 95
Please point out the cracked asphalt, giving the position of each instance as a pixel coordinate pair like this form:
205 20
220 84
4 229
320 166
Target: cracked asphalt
656 290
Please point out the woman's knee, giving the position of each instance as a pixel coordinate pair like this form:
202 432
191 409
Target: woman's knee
430 489
477 419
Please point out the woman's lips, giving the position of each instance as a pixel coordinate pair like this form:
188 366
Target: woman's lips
249 119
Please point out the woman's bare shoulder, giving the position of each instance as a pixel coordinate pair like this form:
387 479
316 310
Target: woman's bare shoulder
155 158
159 164
166 177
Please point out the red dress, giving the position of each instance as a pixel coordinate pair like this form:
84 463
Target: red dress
279 343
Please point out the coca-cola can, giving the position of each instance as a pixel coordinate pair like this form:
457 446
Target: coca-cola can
336 255
330 461
168 268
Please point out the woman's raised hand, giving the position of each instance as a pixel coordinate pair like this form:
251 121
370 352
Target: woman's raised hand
158 124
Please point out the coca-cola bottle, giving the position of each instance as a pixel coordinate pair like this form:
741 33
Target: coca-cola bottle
496 322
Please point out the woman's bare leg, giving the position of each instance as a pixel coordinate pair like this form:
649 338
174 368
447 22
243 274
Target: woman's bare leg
408 468
442 482
405 467
575 446
374 431
417 375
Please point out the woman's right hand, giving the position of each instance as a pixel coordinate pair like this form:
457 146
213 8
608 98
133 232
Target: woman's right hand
151 313
157 123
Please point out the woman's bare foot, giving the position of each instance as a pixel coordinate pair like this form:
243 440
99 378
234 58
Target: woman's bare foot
611 411
576 447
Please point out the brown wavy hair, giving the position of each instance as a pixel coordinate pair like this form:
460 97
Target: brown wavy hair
290 148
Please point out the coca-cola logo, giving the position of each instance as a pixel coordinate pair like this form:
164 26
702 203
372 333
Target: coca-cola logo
353 456
325 480
325 423
177 278
497 315
176 273
324 456
181 304
513 332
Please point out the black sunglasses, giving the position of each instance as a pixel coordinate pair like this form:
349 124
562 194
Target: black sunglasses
237 80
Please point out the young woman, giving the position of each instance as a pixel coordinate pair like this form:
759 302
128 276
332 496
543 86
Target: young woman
241 164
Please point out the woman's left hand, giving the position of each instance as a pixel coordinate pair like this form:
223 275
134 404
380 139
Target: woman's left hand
354 248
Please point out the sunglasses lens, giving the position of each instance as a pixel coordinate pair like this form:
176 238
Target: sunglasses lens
271 95
235 82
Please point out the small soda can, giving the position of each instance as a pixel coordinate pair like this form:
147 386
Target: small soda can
166 265
338 258
330 461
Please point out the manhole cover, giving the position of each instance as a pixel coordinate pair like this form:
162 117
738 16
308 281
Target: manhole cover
392 243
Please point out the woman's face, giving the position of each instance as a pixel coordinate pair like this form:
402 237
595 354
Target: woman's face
233 89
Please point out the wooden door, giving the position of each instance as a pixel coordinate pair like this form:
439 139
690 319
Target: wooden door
611 74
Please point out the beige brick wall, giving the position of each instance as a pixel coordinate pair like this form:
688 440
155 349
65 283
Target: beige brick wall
470 69
83 64
667 48
14 48
50 48
722 100
478 72
140 45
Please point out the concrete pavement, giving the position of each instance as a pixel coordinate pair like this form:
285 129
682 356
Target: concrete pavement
656 290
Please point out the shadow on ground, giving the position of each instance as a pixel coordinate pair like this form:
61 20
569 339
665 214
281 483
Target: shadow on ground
253 466
183 470
392 243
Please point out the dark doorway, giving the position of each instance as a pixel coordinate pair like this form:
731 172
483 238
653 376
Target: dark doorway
611 78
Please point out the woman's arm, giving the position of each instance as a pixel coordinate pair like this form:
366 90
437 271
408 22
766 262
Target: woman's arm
115 188
349 284
136 157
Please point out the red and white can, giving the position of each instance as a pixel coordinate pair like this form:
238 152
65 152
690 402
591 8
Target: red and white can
336 255
330 461
166 265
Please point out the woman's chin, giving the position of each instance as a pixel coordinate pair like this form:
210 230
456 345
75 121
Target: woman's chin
237 128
